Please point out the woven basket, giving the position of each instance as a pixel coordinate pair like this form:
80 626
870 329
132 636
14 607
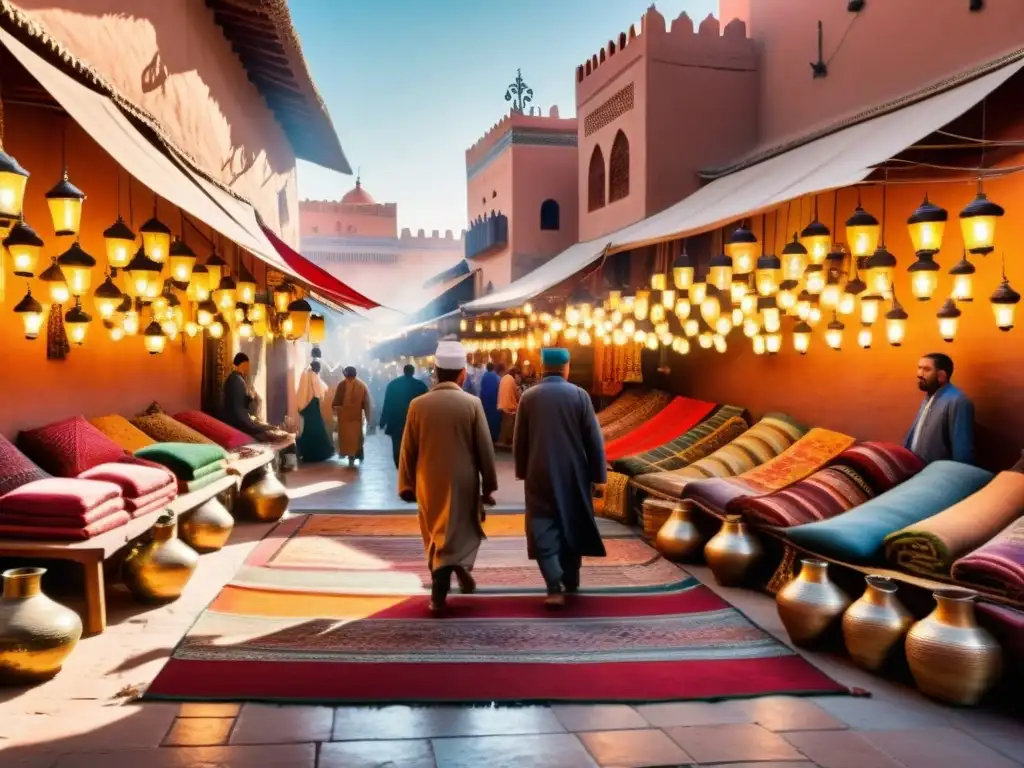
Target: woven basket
654 513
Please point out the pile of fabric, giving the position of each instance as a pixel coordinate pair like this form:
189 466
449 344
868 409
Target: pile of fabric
195 465
642 410
163 428
144 488
62 509
222 434
681 415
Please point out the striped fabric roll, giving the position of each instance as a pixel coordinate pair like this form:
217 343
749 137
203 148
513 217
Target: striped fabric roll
882 465
676 454
651 404
623 404
825 494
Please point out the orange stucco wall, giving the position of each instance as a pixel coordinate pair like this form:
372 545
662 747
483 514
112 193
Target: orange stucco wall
174 61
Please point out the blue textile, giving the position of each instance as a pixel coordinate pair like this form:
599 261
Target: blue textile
948 431
489 384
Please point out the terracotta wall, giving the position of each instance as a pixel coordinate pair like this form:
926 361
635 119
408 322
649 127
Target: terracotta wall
542 173
872 394
102 376
491 190
173 60
328 218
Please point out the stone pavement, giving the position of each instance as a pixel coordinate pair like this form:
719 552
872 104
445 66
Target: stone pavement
85 716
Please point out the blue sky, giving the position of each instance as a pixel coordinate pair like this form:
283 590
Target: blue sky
411 84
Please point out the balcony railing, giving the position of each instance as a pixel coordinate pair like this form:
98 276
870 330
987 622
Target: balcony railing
487 235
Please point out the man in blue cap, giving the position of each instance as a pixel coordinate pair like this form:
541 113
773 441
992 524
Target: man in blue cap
559 453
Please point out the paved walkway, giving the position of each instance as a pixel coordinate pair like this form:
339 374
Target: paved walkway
85 716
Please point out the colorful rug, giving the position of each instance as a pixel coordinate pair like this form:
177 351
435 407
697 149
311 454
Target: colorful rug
298 625
622 406
721 427
644 410
996 566
677 419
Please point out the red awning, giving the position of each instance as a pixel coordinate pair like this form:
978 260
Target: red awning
318 278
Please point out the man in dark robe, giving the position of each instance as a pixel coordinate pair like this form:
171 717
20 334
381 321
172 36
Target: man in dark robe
397 398
559 453
238 406
944 426
490 382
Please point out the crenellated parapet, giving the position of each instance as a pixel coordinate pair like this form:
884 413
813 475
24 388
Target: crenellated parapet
337 208
531 121
435 235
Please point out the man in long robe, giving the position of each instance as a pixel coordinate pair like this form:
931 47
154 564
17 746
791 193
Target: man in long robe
314 443
944 425
559 453
397 398
240 402
508 404
489 384
352 404
447 467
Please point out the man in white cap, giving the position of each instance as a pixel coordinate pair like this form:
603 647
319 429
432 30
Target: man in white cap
447 467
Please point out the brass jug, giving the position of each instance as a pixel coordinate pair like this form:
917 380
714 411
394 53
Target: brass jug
36 634
678 538
262 497
207 527
876 625
810 605
951 657
158 570
732 552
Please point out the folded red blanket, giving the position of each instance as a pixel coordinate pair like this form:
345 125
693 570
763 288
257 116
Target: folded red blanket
59 497
49 533
168 493
153 504
134 480
106 509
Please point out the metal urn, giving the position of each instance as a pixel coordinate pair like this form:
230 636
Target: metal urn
262 497
876 625
811 604
159 569
208 527
732 552
678 538
36 634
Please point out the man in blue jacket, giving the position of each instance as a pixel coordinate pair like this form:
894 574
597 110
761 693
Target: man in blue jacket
944 426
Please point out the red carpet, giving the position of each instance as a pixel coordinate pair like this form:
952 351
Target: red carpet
681 415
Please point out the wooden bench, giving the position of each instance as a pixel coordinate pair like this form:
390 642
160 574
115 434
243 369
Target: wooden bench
241 467
92 553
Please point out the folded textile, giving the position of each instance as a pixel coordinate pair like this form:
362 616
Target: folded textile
216 430
81 520
931 546
166 429
123 432
823 495
622 405
722 426
183 459
67 448
141 510
58 496
48 533
135 480
681 415
16 469
159 495
644 410
189 486
858 536
882 465
996 566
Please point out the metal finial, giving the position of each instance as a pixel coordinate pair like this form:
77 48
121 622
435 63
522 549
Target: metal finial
519 93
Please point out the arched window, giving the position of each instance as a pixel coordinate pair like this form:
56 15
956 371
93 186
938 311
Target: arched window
618 169
595 180
337 227
549 215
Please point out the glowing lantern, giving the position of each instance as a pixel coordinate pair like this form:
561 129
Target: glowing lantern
978 224
299 312
710 309
682 308
143 275
629 326
870 308
720 271
527 308
107 298
206 311
706 340
642 305
768 275
658 313
156 238
154 338
737 316
317 329
862 232
130 324
771 317
720 344
77 266
751 327
773 343
246 330
803 305
585 338
640 337
192 329
12 187
56 282
1004 305
691 327
744 250
949 320
881 268
216 329
65 201
120 243
853 288
199 284
181 261
683 271
834 333
224 295
801 337
749 304
618 337
659 281
814 279
77 321
864 337
31 312
896 324
116 331
963 280
738 288
817 240
241 312
668 300
681 346
832 293
698 292
759 344
814 314
927 225
723 326
794 260
215 268
924 276
652 342
24 246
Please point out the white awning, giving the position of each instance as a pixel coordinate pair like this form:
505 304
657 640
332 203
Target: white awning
839 159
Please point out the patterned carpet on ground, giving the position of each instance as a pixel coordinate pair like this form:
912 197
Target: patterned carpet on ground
333 609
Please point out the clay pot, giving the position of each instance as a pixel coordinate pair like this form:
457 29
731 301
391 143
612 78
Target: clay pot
158 570
262 497
36 634
207 527
951 657
875 626
678 538
810 605
732 552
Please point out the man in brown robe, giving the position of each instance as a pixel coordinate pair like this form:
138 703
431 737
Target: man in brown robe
447 467
352 404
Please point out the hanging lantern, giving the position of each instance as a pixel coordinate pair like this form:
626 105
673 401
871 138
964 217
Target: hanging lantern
116 329
581 304
246 288
691 327
215 267
156 238
768 275
24 246
814 314
77 267
720 271
681 346
924 276
751 327
651 342
834 333
668 301
870 308
927 225
743 249
170 329
618 338
659 281
881 270
698 292
896 324
107 298
738 288
749 304
216 329
771 317
640 336
299 312
224 295
864 337
801 337
706 340
317 329
131 322
143 275
737 316
528 308
65 201
77 321
710 309
723 325
759 344
817 240
949 320
1004 304
803 305
246 330
963 280
192 329
120 244
641 305
629 326
683 272
978 224
720 344
794 260
773 343
31 312
12 188
181 261
154 338
57 284
832 292
241 312
206 311
814 279
199 284
658 313
862 233
851 291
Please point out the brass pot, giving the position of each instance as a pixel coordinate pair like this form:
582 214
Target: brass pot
810 605
875 626
732 552
678 538
158 570
207 527
36 634
951 657
262 497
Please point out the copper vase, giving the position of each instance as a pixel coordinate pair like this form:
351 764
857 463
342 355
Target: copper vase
158 570
875 626
36 634
810 605
678 538
262 497
732 552
207 527
951 657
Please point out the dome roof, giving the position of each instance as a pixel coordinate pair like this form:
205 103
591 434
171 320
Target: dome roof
358 195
